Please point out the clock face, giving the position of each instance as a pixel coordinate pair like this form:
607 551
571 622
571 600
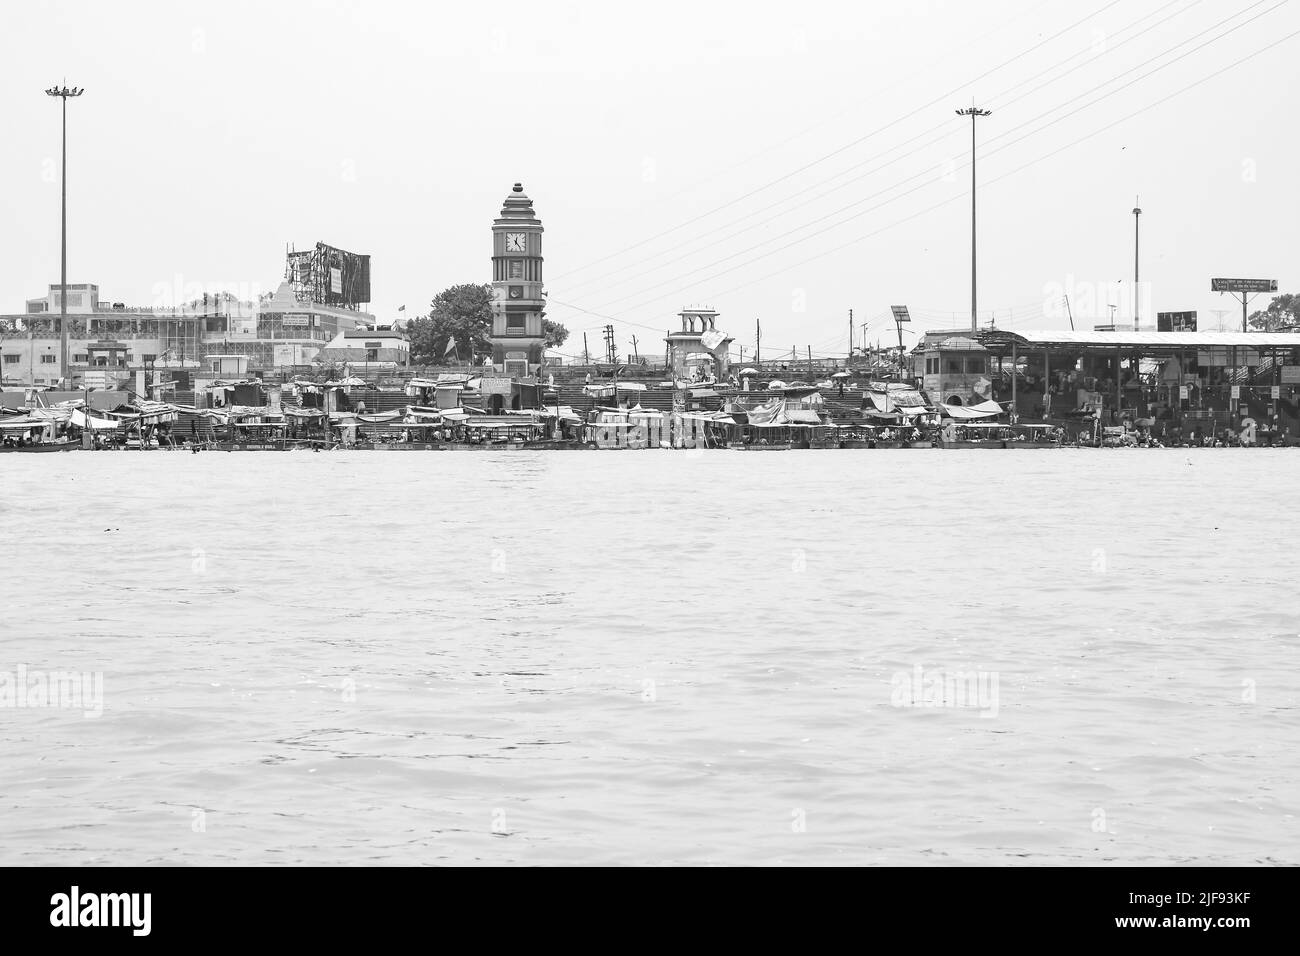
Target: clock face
514 242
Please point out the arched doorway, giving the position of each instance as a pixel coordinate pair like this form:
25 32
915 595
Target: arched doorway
953 400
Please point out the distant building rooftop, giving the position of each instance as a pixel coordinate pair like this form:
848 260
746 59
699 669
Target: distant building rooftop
1128 339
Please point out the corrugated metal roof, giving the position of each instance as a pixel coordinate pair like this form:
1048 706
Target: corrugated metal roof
963 343
1148 339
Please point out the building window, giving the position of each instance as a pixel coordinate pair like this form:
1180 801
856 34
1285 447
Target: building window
954 366
49 359
516 268
79 357
975 366
149 358
11 359
516 321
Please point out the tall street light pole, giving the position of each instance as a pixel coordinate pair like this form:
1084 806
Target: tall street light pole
1137 211
973 112
63 92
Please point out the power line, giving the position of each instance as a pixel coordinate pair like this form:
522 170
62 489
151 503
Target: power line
746 220
924 71
1152 105
945 96
858 215
1045 156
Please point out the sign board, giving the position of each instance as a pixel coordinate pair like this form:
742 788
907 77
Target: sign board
1236 392
1291 374
1275 391
1183 392
900 313
1175 321
1243 285
295 320
336 281
498 385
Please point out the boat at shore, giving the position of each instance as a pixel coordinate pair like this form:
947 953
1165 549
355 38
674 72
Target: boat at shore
40 448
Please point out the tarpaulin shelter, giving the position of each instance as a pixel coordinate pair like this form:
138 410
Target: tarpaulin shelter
802 416
612 388
969 412
79 419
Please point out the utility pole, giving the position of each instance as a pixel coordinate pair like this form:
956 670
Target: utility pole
586 356
611 354
1136 213
973 112
758 341
810 371
1070 312
636 356
63 92
850 335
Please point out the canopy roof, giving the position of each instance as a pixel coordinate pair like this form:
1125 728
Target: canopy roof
1144 340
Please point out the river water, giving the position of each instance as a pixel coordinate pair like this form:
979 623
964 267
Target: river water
857 657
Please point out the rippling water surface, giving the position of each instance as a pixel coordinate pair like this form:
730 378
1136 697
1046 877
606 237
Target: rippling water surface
656 657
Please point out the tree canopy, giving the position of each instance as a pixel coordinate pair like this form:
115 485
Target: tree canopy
463 314
556 334
1283 311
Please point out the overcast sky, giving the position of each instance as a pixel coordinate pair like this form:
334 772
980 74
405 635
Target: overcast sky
782 162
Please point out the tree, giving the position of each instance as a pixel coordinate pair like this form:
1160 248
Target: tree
556 334
330 370
1284 310
462 313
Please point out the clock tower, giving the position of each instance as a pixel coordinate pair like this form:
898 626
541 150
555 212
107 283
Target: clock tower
518 302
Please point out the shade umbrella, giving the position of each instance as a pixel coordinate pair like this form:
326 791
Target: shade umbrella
842 375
